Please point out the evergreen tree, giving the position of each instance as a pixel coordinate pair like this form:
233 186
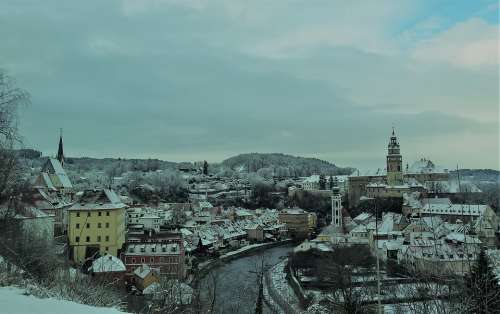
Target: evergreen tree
322 182
330 183
482 288
205 168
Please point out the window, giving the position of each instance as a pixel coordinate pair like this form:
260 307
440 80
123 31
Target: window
107 238
99 225
107 248
88 239
142 260
98 238
88 214
77 214
107 225
77 226
88 226
100 214
77 239
151 260
107 213
133 261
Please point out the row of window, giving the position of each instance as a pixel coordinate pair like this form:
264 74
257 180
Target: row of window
89 214
99 225
152 260
87 239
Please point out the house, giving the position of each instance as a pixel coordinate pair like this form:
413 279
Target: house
96 224
108 267
444 208
255 232
168 259
144 276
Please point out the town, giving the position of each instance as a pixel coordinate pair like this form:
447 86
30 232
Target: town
250 157
406 220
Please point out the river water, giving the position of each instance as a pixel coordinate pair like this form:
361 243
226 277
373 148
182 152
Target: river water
236 283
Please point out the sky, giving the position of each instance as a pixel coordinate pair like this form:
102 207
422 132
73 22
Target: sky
188 80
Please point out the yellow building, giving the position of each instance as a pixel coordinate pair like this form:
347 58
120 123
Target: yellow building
96 223
299 222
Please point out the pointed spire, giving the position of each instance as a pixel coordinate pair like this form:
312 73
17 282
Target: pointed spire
60 151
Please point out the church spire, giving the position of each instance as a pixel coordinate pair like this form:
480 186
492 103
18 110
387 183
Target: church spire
60 151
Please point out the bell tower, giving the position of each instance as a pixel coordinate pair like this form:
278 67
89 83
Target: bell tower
394 162
336 205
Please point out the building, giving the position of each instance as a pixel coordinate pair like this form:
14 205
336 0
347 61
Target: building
447 211
53 178
255 232
108 267
299 222
394 162
96 224
394 181
336 208
168 259
144 277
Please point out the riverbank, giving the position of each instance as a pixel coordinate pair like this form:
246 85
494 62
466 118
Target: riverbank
206 267
234 284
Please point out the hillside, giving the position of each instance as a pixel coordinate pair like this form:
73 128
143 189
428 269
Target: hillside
283 164
478 175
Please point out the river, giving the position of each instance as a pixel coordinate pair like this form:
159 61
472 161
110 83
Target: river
236 283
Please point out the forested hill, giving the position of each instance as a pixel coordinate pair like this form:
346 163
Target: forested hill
478 174
283 164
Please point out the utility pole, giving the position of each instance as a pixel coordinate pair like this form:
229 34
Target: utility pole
379 302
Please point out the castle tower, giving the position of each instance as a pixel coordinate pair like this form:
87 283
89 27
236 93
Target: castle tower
60 151
394 162
336 205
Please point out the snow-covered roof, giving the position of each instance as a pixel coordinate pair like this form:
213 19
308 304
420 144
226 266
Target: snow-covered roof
454 209
142 271
107 264
98 199
362 217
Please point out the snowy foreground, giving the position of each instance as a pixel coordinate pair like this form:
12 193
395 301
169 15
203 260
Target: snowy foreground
13 301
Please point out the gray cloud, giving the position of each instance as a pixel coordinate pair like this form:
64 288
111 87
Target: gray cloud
187 82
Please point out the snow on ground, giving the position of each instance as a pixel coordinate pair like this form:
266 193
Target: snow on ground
280 285
13 301
243 249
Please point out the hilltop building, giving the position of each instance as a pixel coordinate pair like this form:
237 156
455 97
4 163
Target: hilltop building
394 181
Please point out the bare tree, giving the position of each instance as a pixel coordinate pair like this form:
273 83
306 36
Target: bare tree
11 97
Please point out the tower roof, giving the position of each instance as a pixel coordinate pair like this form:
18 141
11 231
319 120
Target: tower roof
60 151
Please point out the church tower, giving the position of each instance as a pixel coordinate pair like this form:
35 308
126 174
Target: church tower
60 151
394 162
336 205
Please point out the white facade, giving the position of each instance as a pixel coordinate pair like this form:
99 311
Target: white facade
336 208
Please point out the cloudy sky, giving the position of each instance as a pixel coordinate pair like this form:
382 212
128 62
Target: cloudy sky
192 79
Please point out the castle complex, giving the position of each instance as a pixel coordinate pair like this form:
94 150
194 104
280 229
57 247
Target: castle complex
395 181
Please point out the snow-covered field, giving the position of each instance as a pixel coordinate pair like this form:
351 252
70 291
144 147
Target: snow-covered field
13 301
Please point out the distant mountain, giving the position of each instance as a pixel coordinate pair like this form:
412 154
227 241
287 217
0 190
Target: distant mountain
282 164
